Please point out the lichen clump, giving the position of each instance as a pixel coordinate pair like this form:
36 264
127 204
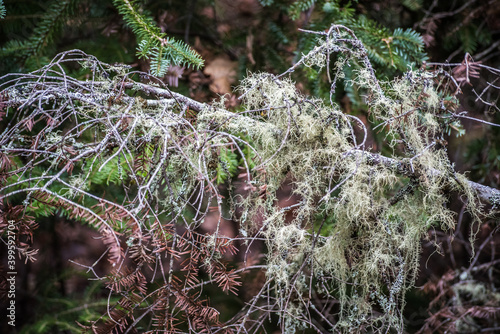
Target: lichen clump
355 231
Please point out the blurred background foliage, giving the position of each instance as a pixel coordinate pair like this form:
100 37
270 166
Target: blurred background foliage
234 37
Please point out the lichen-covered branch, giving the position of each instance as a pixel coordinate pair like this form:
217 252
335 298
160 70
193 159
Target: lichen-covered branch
348 233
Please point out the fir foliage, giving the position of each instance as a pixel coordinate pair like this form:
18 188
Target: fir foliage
300 6
56 18
398 49
48 27
163 51
391 51
413 4
3 11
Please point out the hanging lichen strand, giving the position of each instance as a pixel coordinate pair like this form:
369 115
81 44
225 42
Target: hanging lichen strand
366 251
352 235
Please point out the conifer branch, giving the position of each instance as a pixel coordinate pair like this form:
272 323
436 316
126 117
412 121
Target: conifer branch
50 24
2 10
163 51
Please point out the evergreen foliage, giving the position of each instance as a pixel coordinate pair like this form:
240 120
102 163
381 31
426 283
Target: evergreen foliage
2 10
153 44
300 6
391 52
49 25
